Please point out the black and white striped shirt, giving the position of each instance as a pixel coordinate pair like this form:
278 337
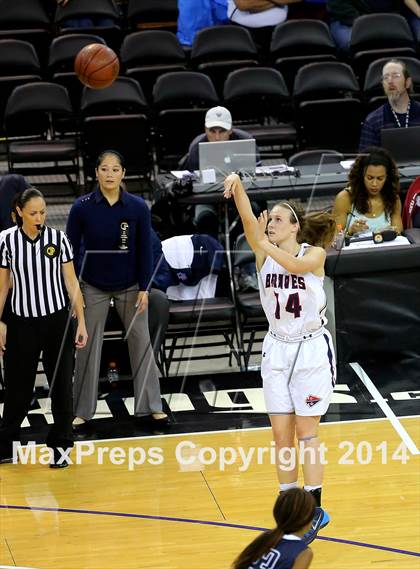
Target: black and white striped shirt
36 269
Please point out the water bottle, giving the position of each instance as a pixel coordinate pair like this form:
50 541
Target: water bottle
112 374
339 238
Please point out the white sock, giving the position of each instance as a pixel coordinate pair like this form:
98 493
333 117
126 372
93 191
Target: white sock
288 486
308 487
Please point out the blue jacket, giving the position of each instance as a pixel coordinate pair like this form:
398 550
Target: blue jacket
194 15
94 230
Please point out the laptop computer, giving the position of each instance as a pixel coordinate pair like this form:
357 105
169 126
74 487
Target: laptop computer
227 156
403 144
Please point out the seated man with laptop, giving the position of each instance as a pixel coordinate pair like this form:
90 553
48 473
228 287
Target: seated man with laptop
400 111
217 152
218 128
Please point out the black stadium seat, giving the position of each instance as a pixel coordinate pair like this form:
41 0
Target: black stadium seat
29 21
295 43
317 157
124 96
63 51
117 117
260 102
148 54
328 106
19 64
374 36
159 14
40 126
218 50
180 100
91 9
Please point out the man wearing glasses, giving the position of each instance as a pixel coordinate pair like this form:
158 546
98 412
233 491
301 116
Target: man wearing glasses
400 111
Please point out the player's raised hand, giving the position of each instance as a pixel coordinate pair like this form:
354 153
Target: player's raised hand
231 183
262 226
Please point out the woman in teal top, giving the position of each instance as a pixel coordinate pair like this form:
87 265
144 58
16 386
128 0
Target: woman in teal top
371 200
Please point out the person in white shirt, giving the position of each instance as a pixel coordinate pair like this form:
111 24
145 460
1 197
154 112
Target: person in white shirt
260 17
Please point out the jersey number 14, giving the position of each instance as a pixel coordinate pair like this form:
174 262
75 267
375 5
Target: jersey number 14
292 305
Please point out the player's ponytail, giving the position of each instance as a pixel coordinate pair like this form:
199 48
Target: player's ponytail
259 547
316 228
293 510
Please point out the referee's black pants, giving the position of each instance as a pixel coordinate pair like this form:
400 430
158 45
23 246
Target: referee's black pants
26 338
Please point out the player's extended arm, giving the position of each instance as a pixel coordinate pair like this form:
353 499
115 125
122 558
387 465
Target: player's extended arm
235 189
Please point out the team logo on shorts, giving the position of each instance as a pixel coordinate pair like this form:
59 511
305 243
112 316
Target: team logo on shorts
312 400
51 250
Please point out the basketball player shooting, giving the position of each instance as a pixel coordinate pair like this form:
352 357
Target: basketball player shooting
298 363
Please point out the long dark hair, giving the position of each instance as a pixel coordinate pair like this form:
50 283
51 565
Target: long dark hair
316 228
22 199
293 510
390 192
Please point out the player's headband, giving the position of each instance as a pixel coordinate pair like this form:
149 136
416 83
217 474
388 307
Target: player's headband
293 211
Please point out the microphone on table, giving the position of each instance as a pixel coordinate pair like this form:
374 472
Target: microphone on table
377 237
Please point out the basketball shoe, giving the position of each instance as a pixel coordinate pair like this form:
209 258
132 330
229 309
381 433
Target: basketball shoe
320 520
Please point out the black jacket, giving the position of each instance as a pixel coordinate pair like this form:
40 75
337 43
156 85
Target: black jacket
346 11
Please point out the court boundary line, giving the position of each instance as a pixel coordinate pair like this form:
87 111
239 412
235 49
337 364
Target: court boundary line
247 429
201 522
386 409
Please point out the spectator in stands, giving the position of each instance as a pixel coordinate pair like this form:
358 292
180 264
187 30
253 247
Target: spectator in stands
85 22
371 200
412 12
194 15
411 210
260 17
114 227
399 111
218 128
344 12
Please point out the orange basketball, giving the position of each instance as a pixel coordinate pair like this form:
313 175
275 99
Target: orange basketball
96 66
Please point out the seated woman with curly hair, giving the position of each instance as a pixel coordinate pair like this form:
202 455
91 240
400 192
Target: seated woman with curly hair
371 200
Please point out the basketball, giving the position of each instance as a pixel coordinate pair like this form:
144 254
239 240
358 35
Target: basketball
96 66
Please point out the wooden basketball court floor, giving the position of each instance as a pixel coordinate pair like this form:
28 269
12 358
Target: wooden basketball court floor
176 515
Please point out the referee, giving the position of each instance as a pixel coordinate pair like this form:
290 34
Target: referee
38 258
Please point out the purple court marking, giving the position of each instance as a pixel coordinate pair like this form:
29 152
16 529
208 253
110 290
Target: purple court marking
202 522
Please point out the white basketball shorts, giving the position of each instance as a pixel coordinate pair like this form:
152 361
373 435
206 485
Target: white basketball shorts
304 386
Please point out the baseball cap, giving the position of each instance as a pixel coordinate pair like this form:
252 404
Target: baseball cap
218 116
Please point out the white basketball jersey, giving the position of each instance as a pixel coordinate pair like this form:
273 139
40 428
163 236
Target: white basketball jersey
293 304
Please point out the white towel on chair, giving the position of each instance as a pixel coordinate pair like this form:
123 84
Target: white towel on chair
178 251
